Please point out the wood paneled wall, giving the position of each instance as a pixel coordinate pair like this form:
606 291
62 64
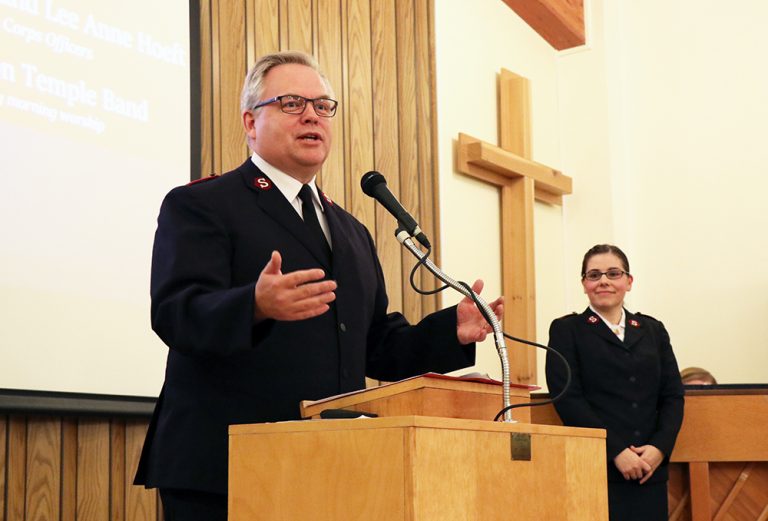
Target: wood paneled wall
72 469
379 57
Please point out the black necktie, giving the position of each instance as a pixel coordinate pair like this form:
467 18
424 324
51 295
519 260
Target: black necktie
310 219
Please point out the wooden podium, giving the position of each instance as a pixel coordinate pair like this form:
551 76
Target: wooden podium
413 467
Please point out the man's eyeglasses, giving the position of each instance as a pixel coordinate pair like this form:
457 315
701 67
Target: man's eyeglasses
595 275
295 104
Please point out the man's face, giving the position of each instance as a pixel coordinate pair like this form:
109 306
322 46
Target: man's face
297 144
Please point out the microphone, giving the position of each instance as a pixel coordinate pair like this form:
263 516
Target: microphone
374 185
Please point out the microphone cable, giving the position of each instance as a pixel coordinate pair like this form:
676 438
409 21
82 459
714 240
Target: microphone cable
421 263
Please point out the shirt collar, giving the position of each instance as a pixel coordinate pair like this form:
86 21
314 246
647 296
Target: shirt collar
622 321
288 186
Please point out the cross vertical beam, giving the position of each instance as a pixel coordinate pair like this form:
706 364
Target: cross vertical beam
521 182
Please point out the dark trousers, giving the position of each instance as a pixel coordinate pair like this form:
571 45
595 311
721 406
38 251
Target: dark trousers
629 501
193 505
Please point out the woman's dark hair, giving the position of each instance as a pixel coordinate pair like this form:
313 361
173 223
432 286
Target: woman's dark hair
604 248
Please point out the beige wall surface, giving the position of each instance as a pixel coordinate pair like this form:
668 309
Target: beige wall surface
692 110
658 120
472 46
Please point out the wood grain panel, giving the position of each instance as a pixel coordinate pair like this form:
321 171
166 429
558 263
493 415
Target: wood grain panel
386 138
3 462
425 174
65 469
361 457
300 25
215 78
359 108
706 436
232 71
207 144
141 504
409 148
16 474
43 469
264 28
282 19
68 469
117 470
329 56
92 470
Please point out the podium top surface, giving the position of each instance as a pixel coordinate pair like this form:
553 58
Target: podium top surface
429 422
428 380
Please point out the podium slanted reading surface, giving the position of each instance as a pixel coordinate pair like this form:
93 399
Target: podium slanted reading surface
429 394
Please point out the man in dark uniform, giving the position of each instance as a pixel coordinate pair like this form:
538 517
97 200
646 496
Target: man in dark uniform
268 293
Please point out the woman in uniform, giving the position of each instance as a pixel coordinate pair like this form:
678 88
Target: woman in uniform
624 380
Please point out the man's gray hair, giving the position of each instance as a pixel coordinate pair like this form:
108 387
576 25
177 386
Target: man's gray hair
253 87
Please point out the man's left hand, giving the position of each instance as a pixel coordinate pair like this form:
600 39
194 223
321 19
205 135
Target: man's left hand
470 324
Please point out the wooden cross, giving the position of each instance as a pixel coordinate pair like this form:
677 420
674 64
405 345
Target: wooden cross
522 181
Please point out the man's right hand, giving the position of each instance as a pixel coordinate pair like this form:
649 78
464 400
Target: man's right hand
294 296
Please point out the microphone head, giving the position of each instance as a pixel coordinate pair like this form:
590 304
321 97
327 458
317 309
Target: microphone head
370 181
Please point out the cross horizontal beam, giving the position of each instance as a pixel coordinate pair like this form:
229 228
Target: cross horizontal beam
497 166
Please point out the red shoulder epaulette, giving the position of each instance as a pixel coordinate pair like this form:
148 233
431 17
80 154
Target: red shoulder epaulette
203 179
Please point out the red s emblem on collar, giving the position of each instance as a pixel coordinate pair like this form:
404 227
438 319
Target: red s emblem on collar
327 199
634 323
592 319
262 183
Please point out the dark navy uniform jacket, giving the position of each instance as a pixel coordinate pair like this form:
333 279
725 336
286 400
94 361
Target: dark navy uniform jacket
212 241
631 388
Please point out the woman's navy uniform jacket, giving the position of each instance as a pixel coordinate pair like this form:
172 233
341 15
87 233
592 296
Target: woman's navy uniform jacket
632 389
212 241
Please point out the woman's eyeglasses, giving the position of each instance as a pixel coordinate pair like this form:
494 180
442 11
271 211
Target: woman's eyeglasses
612 274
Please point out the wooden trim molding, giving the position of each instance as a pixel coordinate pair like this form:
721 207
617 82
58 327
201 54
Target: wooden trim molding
559 22
43 403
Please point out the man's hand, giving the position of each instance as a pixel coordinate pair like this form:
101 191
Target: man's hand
470 324
651 455
631 465
293 296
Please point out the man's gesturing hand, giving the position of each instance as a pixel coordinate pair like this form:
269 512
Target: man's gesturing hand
293 296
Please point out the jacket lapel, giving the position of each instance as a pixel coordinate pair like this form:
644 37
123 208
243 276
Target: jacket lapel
596 326
274 204
634 330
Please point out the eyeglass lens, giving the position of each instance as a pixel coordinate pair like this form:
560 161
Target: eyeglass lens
595 275
297 104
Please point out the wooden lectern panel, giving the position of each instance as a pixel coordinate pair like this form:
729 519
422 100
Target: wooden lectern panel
416 469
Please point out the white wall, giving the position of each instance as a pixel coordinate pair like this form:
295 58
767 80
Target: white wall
694 115
472 45
658 121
